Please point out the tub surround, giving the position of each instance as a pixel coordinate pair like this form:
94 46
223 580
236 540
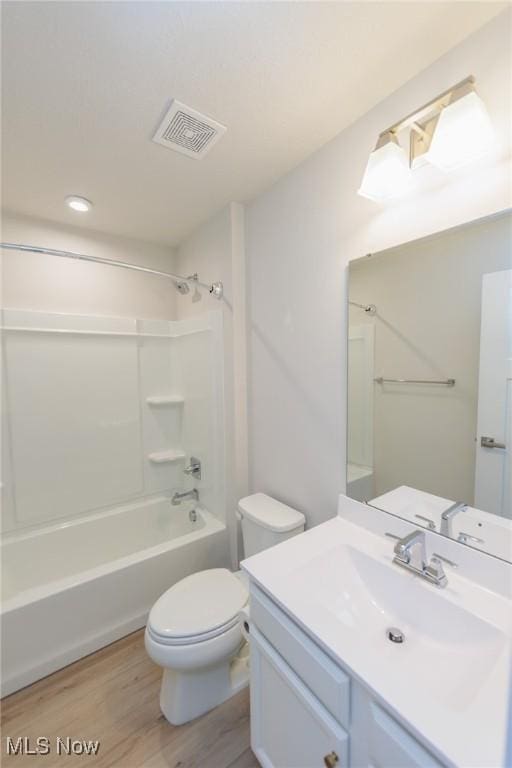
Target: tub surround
130 400
440 698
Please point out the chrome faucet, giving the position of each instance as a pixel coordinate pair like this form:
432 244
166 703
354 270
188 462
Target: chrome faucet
448 515
179 497
194 468
411 553
411 550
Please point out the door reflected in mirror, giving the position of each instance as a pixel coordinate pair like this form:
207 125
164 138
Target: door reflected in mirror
430 382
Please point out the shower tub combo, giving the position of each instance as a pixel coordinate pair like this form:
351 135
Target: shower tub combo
101 414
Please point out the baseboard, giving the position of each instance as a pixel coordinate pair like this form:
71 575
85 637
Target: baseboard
63 658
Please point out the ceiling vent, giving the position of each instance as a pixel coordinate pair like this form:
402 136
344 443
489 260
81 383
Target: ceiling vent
187 131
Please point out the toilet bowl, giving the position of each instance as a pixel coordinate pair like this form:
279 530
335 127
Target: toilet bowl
194 631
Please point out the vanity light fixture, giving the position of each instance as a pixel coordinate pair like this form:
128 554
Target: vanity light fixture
80 204
387 171
463 133
451 130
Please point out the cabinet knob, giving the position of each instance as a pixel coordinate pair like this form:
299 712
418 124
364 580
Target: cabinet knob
331 760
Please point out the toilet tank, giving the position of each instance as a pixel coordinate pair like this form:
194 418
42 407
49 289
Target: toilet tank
266 522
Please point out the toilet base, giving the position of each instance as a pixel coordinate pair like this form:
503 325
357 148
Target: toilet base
185 695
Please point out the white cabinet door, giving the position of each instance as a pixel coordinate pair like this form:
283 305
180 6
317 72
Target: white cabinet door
289 726
377 740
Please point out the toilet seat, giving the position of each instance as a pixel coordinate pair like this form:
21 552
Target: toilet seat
192 639
191 657
198 608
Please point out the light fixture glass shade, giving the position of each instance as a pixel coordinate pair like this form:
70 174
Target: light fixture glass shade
463 133
387 172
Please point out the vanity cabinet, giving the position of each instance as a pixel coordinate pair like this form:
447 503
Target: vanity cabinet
306 711
289 726
377 740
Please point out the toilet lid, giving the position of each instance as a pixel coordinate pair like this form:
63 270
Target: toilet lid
270 513
198 604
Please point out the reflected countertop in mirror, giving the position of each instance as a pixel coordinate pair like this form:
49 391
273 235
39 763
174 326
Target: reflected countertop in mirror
461 522
430 382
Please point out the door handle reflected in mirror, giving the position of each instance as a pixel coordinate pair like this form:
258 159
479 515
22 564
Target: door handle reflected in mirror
490 442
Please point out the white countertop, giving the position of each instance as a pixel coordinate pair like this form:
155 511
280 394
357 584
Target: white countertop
452 694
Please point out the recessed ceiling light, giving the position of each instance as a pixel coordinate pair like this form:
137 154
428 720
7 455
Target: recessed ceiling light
80 204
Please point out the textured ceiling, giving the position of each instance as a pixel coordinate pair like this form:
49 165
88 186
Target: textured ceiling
85 85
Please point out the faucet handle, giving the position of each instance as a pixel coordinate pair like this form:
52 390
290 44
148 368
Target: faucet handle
430 523
435 570
194 468
435 555
445 560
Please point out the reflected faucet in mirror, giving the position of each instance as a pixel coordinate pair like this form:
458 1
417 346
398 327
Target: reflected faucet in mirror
448 515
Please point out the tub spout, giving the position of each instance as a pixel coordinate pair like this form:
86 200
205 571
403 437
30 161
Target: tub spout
179 497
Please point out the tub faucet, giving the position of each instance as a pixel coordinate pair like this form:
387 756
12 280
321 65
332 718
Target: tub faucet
448 515
179 497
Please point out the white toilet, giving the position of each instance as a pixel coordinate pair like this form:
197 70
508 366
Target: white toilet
194 631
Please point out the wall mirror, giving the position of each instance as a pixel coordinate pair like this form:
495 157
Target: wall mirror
430 383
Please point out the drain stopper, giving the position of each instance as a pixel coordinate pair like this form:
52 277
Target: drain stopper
395 635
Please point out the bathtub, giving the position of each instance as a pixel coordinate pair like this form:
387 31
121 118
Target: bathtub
72 588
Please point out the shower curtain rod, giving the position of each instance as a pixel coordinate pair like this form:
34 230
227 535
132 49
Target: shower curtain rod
216 289
370 309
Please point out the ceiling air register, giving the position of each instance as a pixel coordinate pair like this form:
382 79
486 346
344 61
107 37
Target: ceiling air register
187 131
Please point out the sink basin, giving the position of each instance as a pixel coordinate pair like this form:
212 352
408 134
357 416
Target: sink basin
366 596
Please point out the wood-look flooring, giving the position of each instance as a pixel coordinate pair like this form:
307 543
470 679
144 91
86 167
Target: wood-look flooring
112 696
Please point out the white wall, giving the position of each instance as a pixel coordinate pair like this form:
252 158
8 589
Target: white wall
49 284
216 251
301 235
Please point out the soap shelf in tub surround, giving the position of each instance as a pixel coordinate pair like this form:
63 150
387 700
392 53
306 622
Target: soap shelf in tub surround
165 400
166 457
